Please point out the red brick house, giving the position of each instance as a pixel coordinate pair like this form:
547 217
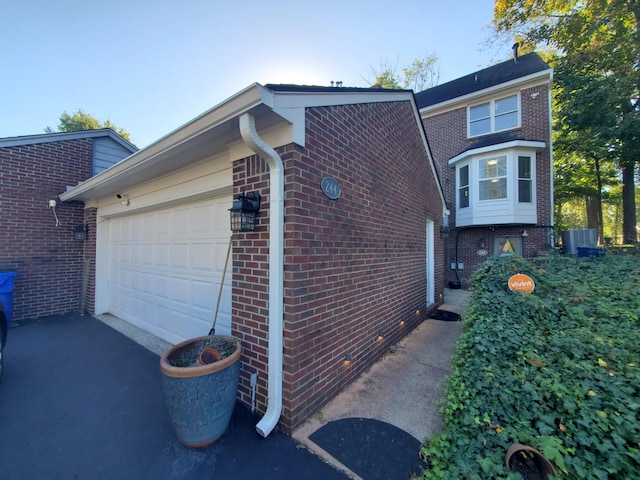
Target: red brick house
38 241
368 197
331 276
490 134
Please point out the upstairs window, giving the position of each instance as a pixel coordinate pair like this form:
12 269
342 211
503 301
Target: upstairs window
492 178
494 116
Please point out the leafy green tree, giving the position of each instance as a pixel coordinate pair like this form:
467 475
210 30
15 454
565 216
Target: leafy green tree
80 120
423 73
583 141
596 46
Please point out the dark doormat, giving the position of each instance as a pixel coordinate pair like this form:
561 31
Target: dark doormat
370 448
445 315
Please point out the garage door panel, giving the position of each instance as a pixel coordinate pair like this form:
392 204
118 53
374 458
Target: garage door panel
161 257
162 287
202 220
201 257
166 267
202 295
180 291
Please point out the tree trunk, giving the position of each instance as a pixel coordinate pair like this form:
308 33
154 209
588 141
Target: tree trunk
629 233
593 219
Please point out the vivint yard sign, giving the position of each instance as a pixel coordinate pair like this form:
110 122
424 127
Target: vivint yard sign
521 283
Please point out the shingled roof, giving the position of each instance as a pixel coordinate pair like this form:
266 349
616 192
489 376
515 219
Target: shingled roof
503 72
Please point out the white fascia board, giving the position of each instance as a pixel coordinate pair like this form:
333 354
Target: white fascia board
520 83
65 136
497 147
232 107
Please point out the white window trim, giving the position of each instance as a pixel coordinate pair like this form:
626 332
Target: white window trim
492 115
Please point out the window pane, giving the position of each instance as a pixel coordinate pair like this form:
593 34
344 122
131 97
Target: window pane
493 167
507 246
479 112
464 197
505 105
493 189
506 121
480 127
524 191
524 167
464 175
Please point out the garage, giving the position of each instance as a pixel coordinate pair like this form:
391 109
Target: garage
165 267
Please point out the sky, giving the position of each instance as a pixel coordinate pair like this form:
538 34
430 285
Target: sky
150 66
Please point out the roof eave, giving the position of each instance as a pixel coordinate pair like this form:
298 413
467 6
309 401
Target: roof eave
66 136
448 104
531 144
239 103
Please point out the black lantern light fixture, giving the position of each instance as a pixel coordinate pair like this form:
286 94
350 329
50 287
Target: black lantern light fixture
244 211
80 232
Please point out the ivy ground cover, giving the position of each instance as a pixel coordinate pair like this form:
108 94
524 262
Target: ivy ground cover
557 369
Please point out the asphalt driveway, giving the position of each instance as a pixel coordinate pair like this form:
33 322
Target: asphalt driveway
81 401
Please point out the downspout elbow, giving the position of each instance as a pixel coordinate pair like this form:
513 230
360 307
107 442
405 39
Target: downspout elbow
276 272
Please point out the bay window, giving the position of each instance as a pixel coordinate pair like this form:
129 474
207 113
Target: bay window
496 185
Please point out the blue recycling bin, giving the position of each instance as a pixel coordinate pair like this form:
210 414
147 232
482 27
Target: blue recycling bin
6 293
590 252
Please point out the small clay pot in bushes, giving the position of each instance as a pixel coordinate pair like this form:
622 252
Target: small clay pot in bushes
528 462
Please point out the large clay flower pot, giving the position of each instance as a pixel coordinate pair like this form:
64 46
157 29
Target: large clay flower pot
200 398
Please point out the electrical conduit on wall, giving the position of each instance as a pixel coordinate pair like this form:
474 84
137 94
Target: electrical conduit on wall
276 268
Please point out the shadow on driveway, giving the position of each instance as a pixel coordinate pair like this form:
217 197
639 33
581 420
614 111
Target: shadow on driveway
81 401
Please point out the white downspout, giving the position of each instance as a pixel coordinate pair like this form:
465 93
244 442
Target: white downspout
276 268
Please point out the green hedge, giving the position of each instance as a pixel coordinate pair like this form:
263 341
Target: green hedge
557 369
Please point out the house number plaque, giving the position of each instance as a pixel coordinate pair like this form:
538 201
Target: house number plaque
331 188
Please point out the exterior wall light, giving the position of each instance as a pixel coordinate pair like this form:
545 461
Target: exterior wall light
244 211
80 232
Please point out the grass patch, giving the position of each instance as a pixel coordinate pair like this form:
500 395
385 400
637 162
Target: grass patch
558 369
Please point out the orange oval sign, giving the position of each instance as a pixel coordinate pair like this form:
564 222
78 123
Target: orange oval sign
521 283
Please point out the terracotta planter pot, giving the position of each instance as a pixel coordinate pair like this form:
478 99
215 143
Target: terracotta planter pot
201 398
544 466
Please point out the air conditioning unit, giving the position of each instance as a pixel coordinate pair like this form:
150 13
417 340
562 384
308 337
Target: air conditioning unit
572 239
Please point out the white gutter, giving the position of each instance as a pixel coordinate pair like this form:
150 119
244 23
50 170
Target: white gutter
276 268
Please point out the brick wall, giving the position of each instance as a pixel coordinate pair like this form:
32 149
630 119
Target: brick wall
89 268
354 267
47 259
447 134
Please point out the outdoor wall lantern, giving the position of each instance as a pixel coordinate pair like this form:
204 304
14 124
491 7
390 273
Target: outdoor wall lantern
80 232
244 211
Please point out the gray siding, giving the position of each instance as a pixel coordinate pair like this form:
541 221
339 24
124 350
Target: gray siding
107 152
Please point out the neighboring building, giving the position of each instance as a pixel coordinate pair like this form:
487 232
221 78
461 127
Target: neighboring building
38 241
490 135
320 279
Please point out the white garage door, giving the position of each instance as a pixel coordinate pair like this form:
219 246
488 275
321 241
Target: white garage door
165 268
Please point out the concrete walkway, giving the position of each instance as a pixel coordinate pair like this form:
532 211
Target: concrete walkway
403 388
